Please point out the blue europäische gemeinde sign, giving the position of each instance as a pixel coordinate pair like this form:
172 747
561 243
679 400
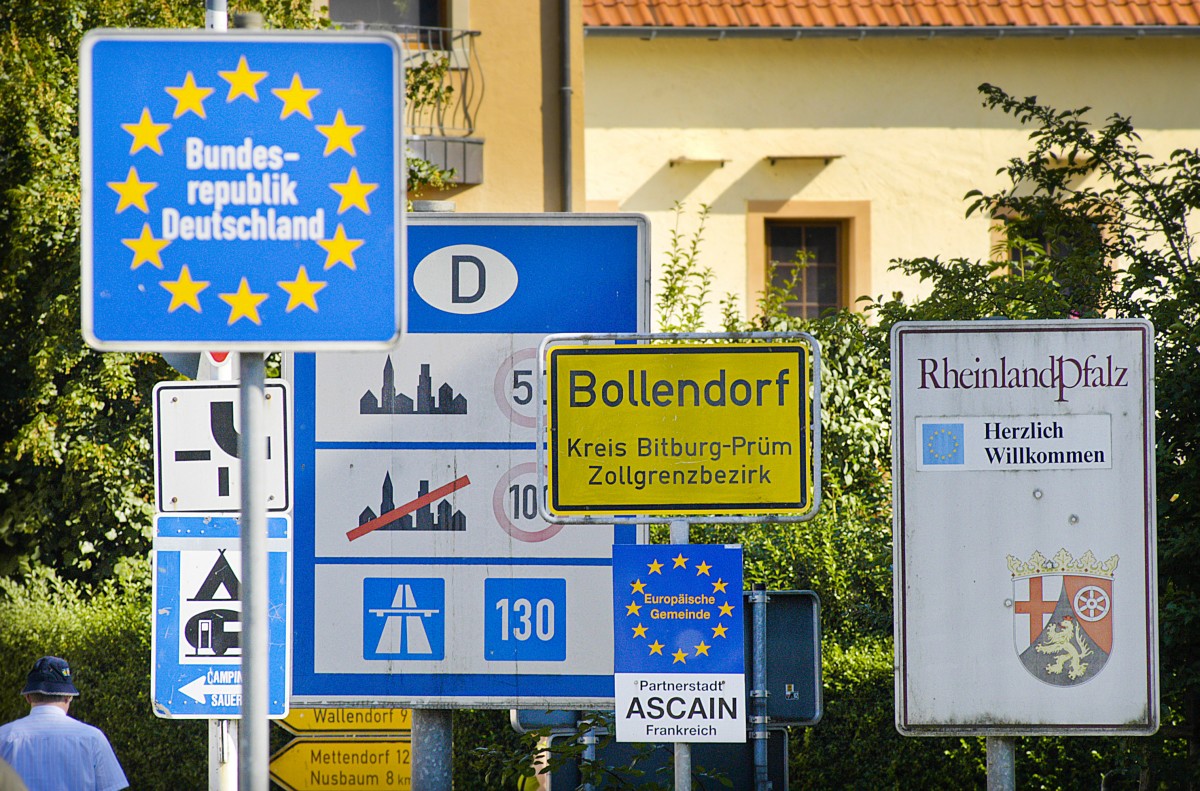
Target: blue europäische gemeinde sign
241 192
679 654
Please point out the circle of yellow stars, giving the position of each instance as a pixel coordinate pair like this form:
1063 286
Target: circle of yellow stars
931 444
718 586
190 97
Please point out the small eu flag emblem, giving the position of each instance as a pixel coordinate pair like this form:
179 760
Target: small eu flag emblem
942 443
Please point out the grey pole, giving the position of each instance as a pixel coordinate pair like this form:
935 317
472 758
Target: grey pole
432 729
222 734
681 533
1001 763
254 749
589 751
758 694
432 746
216 15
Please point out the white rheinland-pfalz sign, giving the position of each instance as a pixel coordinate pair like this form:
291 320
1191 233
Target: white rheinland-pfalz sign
1025 581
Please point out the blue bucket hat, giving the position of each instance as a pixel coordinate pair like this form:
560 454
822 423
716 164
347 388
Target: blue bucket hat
50 676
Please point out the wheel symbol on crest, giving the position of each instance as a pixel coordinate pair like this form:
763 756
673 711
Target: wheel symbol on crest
1091 603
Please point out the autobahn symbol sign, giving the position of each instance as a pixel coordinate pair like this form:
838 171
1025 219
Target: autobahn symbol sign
241 192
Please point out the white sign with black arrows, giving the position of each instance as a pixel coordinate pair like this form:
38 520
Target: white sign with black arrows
198 447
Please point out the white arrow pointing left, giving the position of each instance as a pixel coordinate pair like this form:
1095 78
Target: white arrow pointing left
199 689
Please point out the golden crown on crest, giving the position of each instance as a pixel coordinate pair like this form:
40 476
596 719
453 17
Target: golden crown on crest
1063 563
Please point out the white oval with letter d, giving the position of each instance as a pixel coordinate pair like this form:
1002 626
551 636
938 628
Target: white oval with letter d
465 278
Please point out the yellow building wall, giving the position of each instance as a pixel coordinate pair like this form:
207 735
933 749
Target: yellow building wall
519 115
903 118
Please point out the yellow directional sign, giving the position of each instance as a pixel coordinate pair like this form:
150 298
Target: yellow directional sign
333 720
681 429
319 764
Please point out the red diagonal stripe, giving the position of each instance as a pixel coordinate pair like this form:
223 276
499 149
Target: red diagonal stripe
407 508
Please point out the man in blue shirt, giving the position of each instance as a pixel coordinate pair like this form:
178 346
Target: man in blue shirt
52 751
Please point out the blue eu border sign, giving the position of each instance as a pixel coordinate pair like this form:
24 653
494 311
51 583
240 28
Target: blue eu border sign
241 192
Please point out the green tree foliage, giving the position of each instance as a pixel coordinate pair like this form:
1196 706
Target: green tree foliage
1096 227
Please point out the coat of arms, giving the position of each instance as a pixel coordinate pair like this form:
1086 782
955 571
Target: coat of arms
1063 615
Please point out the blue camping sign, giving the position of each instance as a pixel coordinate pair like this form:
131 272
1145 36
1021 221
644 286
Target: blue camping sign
241 192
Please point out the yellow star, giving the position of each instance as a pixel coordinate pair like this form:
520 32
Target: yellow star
680 656
719 631
295 98
680 560
639 631
702 569
184 291
639 587
146 133
242 82
656 648
633 609
146 248
243 303
302 291
339 249
354 192
189 97
702 649
339 134
726 609
720 585
133 191
655 567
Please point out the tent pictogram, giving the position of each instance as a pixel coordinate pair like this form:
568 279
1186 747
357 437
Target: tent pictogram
216 632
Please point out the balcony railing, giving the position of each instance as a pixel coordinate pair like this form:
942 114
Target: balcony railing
444 61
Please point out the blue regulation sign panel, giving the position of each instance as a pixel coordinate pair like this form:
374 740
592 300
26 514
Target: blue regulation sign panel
196 667
424 574
241 192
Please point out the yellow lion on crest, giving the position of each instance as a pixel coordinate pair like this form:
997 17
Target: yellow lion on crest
1070 644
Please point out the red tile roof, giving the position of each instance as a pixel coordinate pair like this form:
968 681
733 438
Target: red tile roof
763 15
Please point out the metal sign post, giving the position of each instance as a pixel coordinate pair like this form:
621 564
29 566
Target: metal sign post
681 533
255 736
